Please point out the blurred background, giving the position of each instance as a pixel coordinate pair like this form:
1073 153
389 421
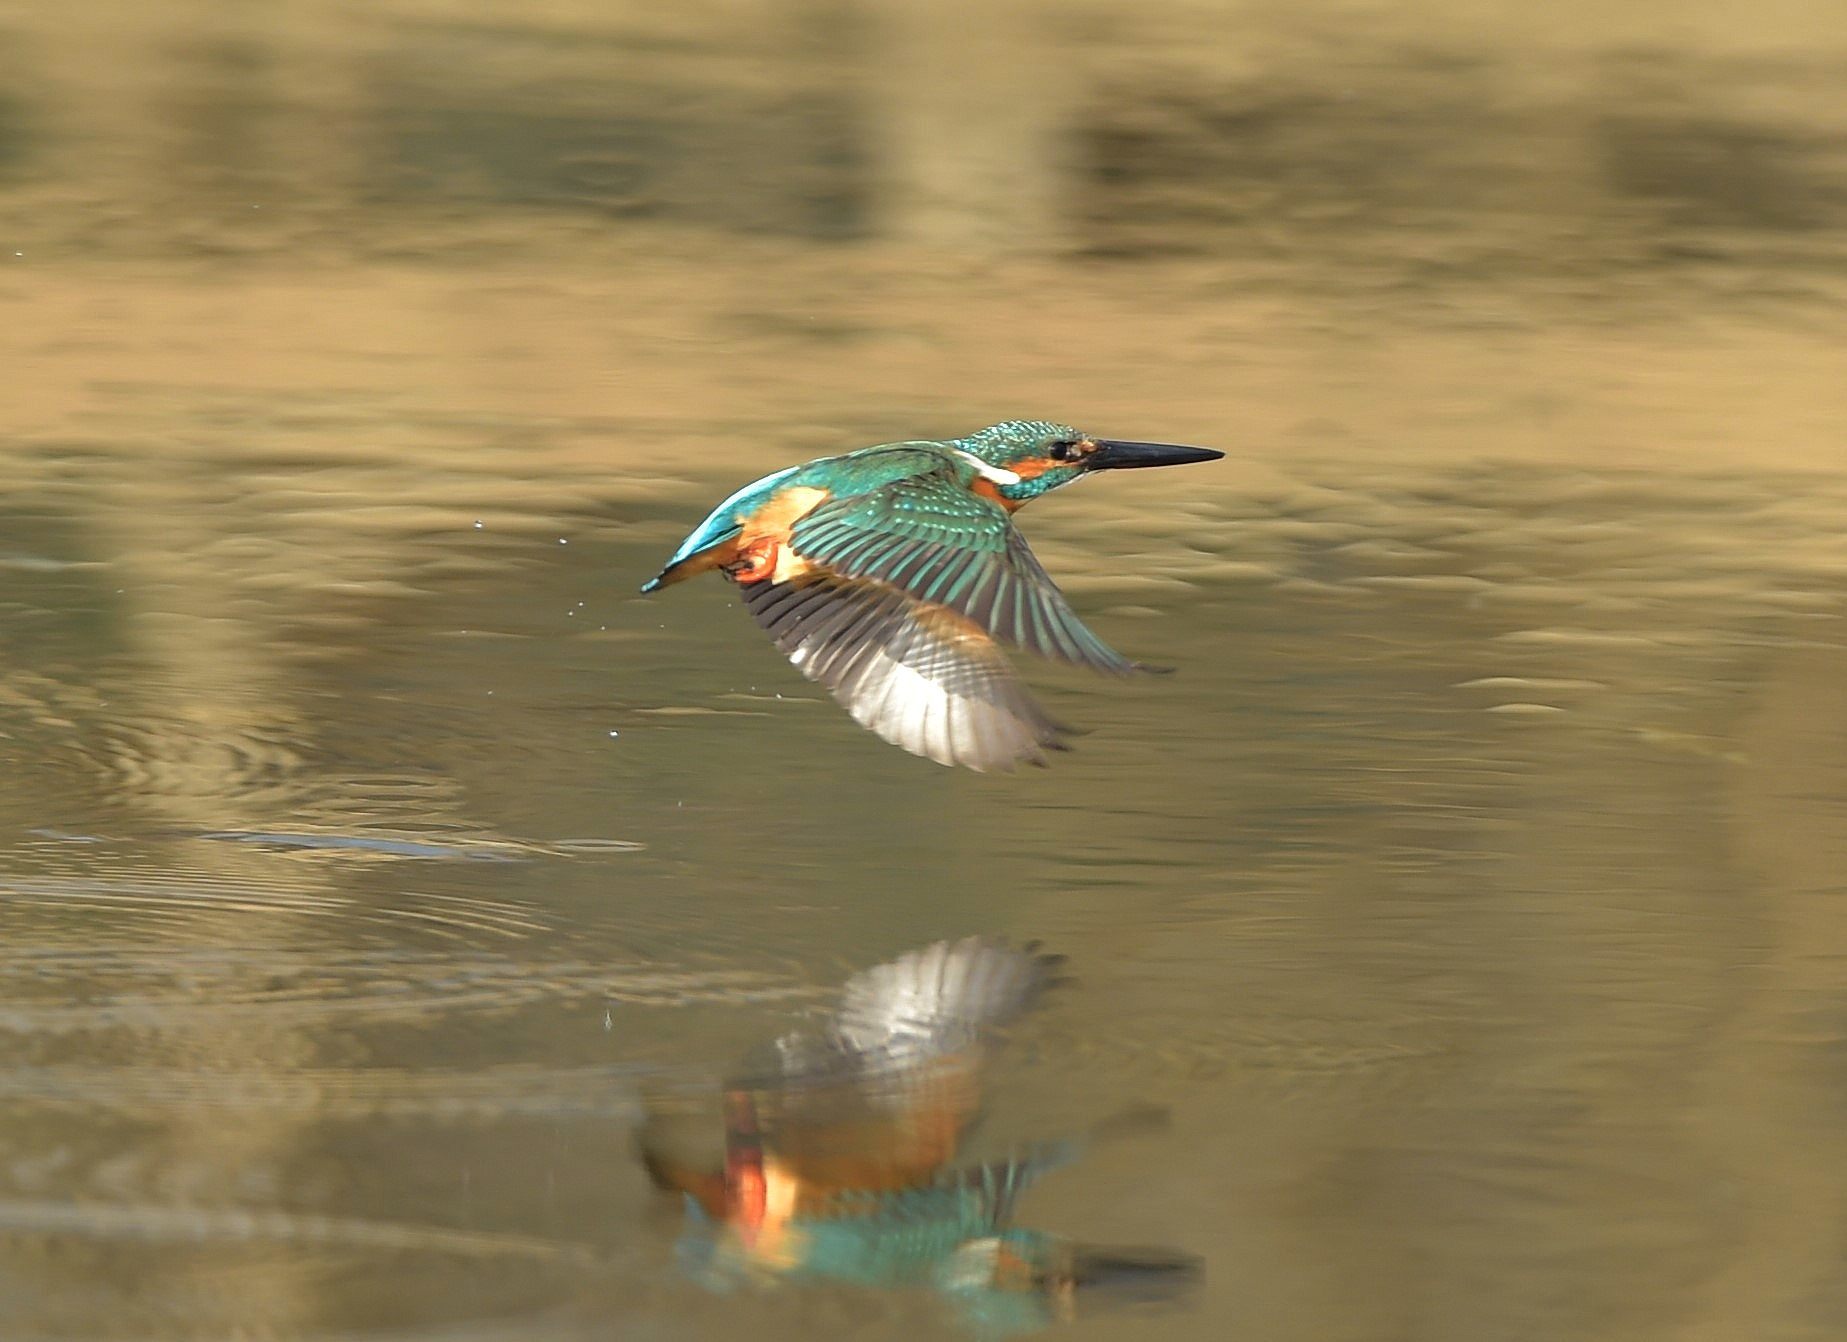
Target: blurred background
1471 899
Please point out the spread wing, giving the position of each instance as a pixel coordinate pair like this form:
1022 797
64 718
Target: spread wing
929 537
917 675
882 1097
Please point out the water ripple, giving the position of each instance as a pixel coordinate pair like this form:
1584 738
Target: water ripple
155 989
192 1225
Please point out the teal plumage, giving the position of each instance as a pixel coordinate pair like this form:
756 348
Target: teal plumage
891 574
941 544
953 1238
900 1238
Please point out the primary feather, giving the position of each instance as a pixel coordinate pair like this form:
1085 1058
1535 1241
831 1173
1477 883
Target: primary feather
937 690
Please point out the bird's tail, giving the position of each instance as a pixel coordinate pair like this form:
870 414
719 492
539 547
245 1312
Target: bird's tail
677 572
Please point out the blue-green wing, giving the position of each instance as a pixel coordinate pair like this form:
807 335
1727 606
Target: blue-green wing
928 536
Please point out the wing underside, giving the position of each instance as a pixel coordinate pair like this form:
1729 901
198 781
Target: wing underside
918 675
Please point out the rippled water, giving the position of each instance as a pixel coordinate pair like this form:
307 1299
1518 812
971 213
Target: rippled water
371 854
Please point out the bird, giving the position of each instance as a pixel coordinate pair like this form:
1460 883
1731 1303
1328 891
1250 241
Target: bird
842 1154
893 575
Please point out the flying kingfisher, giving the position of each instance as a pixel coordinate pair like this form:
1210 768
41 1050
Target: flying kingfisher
842 1155
890 575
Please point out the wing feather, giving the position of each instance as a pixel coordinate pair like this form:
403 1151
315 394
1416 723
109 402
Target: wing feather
929 536
914 674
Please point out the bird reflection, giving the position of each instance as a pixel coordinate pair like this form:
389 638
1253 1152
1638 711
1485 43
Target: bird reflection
841 1156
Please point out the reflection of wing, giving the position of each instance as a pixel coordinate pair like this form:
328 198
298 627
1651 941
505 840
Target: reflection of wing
927 1005
929 537
941 998
881 1098
915 674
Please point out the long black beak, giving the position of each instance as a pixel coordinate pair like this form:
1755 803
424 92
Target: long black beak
1115 454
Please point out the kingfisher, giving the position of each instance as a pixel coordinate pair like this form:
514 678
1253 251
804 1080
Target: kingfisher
893 574
842 1155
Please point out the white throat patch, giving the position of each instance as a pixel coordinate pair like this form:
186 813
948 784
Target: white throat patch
996 474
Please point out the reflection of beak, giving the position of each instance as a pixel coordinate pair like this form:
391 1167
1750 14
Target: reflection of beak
1115 454
1139 1276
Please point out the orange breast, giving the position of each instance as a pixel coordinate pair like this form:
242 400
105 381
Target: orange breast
774 521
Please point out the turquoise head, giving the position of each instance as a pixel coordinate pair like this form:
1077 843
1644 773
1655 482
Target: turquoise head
1041 455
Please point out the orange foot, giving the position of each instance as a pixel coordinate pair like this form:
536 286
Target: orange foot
754 562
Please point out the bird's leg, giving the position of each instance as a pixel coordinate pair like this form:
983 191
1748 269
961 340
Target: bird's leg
755 561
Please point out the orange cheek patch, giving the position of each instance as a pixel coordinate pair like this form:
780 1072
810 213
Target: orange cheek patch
986 489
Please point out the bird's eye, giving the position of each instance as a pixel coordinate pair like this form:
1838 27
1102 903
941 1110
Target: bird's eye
1064 449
